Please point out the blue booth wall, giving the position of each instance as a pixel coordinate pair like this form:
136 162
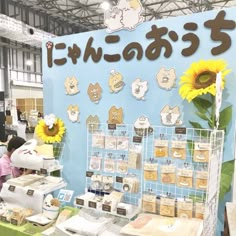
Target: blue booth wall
56 101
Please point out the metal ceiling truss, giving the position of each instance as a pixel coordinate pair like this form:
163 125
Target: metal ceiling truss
86 15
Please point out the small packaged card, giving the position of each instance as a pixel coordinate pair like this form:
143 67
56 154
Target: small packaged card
185 208
185 178
122 166
98 140
161 148
95 163
199 210
167 206
110 142
149 203
201 180
109 165
168 174
150 171
178 149
201 152
122 143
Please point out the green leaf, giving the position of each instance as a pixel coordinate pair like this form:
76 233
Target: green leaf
190 144
225 117
202 104
210 123
226 177
199 131
195 125
202 115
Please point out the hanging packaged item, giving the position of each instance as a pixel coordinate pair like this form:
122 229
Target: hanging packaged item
95 163
109 164
122 143
185 208
149 203
201 152
199 210
185 177
167 206
122 166
110 142
178 149
98 140
96 182
161 148
107 182
134 157
131 184
201 180
150 171
168 174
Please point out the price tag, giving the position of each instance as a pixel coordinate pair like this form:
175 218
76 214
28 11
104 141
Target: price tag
43 171
180 130
14 221
112 126
4 219
121 211
106 207
137 139
79 201
119 179
11 188
92 204
89 174
30 192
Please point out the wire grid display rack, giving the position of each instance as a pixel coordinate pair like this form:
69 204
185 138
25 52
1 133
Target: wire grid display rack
126 132
58 149
214 139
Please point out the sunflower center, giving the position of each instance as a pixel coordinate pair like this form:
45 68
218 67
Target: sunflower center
205 79
53 131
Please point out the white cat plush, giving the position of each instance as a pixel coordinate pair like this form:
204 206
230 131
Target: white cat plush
51 207
139 88
26 156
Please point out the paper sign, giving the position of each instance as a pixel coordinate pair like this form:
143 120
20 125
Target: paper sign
65 195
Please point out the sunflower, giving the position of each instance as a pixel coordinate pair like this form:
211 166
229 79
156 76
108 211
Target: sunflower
200 78
53 134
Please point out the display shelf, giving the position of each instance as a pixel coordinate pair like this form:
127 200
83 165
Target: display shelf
130 216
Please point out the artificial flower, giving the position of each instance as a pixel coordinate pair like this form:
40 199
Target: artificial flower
50 132
200 78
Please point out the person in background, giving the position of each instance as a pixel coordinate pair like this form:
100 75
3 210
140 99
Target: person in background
6 171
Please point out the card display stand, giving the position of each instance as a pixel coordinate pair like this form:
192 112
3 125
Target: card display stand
177 164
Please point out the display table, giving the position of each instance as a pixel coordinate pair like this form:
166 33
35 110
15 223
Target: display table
12 230
230 219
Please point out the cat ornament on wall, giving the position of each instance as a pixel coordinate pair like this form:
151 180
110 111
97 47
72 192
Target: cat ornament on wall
171 116
125 15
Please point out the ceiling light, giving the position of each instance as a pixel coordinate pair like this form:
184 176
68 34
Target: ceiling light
29 62
105 6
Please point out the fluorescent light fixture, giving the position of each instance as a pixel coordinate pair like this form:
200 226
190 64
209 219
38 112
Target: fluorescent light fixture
105 5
